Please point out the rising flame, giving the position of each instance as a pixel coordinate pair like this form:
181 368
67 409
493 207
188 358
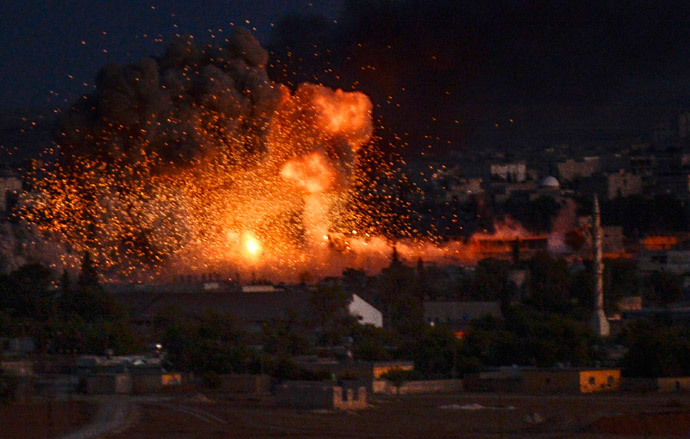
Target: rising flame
251 245
312 173
198 161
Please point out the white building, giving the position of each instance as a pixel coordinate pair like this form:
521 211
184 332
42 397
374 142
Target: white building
365 312
514 172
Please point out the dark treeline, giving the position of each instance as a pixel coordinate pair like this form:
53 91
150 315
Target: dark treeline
544 321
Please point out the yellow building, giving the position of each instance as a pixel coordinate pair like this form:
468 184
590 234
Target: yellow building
571 380
380 368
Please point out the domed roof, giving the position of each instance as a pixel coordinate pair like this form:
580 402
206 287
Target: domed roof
550 182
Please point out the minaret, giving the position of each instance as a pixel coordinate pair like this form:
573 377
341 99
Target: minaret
600 325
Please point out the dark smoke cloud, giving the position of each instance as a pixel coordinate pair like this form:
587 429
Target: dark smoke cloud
157 105
481 62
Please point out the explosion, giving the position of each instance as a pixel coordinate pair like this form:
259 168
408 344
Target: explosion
197 160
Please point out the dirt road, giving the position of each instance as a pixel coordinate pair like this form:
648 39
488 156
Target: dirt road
112 415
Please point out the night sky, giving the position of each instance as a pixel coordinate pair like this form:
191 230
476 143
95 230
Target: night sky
445 72
50 47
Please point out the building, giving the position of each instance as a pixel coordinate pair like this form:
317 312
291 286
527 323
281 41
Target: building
623 184
464 188
679 316
550 187
613 185
380 368
501 190
512 172
613 240
507 247
459 314
677 184
104 384
250 310
659 242
251 306
320 395
571 169
365 312
671 261
570 380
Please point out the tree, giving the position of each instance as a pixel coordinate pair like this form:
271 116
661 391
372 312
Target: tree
371 343
65 281
25 292
396 290
656 349
549 283
663 288
88 276
286 337
434 351
208 345
329 309
531 338
490 279
354 281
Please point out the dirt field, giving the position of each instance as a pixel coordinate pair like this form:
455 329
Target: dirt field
465 416
41 419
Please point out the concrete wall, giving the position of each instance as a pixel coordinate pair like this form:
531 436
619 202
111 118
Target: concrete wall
669 385
476 383
245 384
623 184
539 381
154 383
570 381
320 395
638 385
427 386
108 384
349 398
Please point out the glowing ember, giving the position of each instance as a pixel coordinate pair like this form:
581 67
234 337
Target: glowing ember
172 162
197 161
251 245
311 173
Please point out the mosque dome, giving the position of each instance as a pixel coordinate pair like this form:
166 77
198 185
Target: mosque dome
550 183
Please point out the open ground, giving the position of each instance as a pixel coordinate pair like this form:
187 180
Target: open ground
419 416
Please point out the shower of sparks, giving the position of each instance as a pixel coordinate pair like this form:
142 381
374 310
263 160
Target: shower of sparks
196 161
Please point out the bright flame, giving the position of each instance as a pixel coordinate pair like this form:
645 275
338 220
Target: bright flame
311 173
344 113
251 245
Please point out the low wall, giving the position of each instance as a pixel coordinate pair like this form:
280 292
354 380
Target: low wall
426 386
320 395
245 384
108 384
669 385
570 381
638 385
154 383
476 383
